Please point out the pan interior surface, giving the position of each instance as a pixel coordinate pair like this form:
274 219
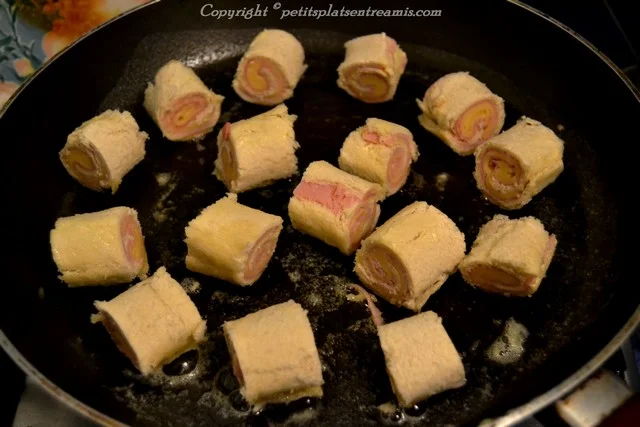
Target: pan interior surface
174 182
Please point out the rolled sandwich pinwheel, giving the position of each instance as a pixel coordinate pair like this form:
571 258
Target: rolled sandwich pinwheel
336 207
410 256
101 151
420 357
513 167
152 322
270 69
274 355
231 241
99 248
372 68
461 111
379 152
181 105
255 152
509 256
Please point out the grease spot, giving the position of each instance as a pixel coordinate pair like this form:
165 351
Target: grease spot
509 346
190 285
441 181
162 207
163 178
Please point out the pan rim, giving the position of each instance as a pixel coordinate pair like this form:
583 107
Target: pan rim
39 71
509 418
520 413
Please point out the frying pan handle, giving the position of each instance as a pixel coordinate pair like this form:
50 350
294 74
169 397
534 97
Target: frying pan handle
603 400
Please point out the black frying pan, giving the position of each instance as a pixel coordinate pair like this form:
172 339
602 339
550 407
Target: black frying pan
587 303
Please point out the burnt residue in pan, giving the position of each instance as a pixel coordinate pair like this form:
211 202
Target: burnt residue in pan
175 182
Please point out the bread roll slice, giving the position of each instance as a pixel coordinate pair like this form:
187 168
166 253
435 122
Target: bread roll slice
372 67
270 69
152 322
516 165
99 248
274 355
231 241
420 357
509 256
255 152
336 207
182 106
461 111
409 257
380 152
101 151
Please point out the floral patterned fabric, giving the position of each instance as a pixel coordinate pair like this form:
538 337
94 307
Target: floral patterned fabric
32 31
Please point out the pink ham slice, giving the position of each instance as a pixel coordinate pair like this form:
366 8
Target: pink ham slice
502 177
226 131
88 167
471 131
190 117
495 279
362 79
119 338
363 221
371 136
334 197
272 85
398 168
132 242
399 164
392 49
227 154
338 198
235 363
376 315
260 254
387 276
